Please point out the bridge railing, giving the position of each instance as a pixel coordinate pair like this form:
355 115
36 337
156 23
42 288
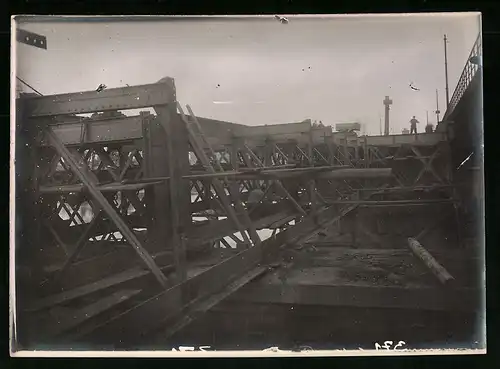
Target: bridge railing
466 77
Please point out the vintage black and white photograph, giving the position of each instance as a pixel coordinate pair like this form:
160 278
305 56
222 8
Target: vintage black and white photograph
277 185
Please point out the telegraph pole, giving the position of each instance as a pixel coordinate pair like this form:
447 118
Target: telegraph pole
446 70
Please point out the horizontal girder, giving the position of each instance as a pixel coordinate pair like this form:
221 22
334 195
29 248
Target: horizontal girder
121 98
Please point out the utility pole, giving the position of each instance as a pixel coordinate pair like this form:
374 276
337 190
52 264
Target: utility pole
387 103
437 107
446 71
380 124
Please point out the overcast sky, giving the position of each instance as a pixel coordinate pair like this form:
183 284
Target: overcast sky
334 69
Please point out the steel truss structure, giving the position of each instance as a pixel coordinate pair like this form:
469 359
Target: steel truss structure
140 223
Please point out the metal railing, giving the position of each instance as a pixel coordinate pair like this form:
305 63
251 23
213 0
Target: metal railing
466 77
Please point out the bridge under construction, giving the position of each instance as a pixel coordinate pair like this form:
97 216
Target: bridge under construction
163 228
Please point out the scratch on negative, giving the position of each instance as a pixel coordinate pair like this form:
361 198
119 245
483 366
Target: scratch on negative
467 158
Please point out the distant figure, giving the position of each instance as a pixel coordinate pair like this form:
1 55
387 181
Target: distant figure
413 125
429 128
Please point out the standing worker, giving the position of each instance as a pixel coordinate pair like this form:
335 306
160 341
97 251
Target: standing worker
413 125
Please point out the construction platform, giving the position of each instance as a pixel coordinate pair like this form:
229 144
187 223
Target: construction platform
162 228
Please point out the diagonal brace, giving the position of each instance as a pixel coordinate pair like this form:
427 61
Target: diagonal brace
90 184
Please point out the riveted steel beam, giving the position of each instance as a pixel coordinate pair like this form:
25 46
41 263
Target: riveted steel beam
121 98
101 131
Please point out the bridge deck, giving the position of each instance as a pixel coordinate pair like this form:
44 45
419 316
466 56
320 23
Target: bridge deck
221 134
376 278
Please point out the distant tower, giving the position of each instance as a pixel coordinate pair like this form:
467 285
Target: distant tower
387 103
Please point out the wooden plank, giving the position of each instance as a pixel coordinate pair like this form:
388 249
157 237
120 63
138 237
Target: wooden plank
114 280
97 269
134 97
130 325
432 299
437 269
75 319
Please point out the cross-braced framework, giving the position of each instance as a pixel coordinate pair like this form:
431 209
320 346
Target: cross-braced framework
161 214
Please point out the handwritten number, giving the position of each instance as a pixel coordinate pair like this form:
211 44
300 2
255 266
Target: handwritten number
400 344
388 345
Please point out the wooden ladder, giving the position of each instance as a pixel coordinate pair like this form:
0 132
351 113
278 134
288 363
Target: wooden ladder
204 152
